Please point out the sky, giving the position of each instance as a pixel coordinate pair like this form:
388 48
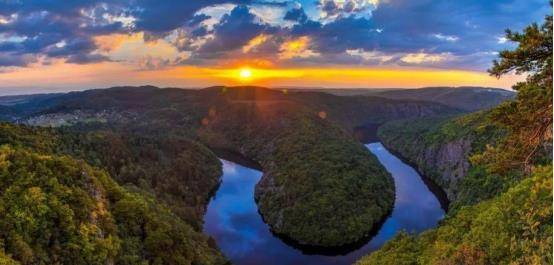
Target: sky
57 45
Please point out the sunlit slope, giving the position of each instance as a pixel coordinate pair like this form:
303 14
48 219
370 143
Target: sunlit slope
58 210
321 187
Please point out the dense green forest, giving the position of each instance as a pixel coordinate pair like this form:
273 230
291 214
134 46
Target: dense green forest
58 210
152 146
441 148
320 187
178 171
503 211
513 228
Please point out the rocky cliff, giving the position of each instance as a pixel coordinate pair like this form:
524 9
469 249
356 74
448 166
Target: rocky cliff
439 148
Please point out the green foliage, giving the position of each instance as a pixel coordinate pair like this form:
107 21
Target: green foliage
39 139
152 234
54 210
178 171
443 145
60 211
529 118
510 182
341 184
7 260
533 54
513 228
320 187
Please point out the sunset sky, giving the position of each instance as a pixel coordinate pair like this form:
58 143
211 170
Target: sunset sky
49 45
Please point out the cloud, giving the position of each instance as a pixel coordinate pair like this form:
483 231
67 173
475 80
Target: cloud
372 57
58 29
450 38
255 42
164 16
421 57
440 33
86 58
8 59
296 14
296 48
332 9
502 40
234 31
339 35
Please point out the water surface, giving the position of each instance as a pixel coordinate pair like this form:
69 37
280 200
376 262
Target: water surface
233 220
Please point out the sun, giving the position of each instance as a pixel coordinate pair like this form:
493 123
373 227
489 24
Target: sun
245 74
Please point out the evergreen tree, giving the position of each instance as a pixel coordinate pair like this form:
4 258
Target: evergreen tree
528 119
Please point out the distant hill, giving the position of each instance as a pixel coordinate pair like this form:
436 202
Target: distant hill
466 98
301 140
21 99
463 98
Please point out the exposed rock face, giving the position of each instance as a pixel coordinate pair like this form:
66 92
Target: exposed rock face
320 187
440 148
446 164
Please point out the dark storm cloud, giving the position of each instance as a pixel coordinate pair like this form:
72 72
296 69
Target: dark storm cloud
65 29
296 14
330 7
68 8
339 35
234 31
467 31
164 16
83 58
474 26
7 59
197 19
454 28
53 28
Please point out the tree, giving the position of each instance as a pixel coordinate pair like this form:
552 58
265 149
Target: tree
528 119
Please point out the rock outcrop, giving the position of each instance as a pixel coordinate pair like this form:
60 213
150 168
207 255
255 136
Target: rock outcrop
439 148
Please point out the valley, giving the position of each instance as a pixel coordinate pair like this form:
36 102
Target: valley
161 142
270 132
233 219
268 126
322 198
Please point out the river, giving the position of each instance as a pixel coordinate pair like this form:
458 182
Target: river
232 217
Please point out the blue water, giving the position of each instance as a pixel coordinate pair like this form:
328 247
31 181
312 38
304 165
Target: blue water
233 220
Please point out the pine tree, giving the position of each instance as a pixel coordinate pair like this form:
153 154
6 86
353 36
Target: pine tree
528 119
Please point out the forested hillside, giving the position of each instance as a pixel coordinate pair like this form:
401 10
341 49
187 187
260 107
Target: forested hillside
441 147
319 185
179 171
513 228
465 98
313 168
503 210
59 210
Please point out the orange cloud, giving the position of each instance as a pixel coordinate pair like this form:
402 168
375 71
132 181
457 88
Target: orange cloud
107 43
132 48
296 48
255 42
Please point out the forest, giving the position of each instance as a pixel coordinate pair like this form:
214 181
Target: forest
59 210
502 210
124 175
159 139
